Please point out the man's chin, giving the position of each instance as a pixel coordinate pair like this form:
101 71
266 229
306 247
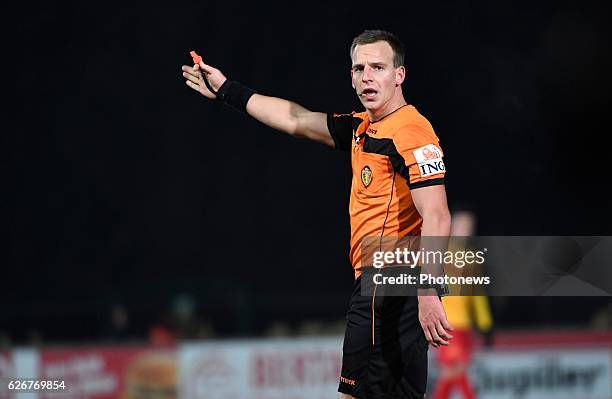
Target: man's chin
370 105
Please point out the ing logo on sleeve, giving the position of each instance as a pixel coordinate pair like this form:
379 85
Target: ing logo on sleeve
429 160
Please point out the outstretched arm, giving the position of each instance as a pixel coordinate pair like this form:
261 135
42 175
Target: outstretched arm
277 113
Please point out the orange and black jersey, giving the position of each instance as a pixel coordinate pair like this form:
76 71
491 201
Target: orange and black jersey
389 158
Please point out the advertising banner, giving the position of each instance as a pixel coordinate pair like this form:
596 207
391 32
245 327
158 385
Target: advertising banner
289 369
565 374
265 369
108 373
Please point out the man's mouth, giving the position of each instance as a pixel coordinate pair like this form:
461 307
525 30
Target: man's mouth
369 94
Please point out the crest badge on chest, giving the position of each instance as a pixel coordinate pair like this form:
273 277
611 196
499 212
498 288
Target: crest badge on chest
366 176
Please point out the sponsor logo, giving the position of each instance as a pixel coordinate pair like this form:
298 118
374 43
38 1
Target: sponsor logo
366 176
429 154
429 160
372 131
347 381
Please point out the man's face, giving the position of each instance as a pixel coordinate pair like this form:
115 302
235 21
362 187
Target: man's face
374 77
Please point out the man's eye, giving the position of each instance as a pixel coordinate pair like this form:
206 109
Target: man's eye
378 68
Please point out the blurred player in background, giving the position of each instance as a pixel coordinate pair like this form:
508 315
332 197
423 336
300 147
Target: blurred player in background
397 190
464 312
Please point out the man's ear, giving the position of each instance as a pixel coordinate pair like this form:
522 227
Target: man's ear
400 75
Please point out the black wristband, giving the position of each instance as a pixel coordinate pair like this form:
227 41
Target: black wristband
441 289
235 94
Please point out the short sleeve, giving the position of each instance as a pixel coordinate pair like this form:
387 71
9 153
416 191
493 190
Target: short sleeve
420 150
341 127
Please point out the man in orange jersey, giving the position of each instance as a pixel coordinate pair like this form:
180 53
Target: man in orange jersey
397 190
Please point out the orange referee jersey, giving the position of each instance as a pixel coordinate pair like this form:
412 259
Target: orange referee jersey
389 158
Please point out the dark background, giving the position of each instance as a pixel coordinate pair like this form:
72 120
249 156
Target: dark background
125 186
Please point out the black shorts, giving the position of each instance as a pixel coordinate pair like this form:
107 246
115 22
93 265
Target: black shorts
387 358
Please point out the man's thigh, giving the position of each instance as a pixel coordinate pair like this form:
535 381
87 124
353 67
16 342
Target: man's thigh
387 358
357 347
398 364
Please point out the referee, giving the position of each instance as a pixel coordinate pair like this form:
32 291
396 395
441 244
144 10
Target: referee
397 190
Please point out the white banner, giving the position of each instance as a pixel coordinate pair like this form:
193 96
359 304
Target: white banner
543 374
274 369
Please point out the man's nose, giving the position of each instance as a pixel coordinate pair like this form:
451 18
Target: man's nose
366 76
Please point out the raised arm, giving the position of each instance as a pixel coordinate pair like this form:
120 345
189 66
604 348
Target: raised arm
277 113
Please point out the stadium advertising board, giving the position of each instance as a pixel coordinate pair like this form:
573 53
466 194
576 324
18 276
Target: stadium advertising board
270 369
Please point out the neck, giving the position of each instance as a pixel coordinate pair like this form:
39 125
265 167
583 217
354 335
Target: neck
395 103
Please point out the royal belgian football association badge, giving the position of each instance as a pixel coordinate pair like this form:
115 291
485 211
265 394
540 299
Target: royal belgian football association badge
366 176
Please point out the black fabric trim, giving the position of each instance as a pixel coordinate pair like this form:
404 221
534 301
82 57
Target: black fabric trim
426 183
355 122
332 130
387 147
342 129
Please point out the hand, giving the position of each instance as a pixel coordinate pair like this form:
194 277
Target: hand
433 320
195 78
